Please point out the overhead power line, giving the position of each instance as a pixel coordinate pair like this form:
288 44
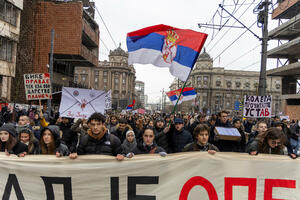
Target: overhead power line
242 56
106 26
233 42
104 45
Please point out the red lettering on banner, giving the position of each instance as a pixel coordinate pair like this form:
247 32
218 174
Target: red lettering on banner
230 182
198 180
270 183
262 113
267 112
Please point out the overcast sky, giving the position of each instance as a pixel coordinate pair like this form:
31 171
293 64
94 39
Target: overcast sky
123 16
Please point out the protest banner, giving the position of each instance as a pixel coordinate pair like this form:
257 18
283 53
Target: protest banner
37 86
108 100
194 175
81 103
258 106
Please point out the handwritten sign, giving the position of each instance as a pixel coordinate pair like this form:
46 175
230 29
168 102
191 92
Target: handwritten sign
81 103
258 106
37 86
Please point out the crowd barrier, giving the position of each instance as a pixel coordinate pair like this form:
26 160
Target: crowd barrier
193 176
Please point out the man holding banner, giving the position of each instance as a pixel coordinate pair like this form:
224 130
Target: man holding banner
98 140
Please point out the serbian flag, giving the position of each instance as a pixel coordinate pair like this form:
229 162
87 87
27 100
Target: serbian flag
166 46
188 93
129 107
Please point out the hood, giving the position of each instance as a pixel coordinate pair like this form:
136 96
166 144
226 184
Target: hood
54 130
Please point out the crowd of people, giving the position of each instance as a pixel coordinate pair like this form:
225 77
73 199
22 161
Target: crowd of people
125 135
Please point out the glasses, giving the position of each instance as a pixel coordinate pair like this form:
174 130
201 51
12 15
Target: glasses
276 143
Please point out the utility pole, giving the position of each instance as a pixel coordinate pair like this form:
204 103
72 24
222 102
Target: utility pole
263 19
51 68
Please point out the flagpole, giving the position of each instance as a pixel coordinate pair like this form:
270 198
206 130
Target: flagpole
174 109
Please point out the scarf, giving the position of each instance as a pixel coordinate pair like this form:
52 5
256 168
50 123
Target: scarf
97 136
128 147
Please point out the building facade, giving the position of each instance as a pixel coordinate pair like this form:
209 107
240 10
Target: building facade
140 94
218 89
76 42
115 75
287 54
10 14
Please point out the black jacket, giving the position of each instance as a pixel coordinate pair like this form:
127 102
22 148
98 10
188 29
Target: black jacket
179 139
121 134
161 138
69 137
59 146
196 147
17 149
108 145
144 149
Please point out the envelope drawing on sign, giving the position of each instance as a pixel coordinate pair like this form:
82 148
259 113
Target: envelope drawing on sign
81 103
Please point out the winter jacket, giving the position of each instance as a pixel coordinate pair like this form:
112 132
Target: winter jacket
108 145
69 137
253 146
17 149
196 147
141 148
179 139
294 131
121 134
161 138
59 146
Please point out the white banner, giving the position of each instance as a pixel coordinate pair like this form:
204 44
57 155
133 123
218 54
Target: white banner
81 103
108 100
37 86
257 106
195 175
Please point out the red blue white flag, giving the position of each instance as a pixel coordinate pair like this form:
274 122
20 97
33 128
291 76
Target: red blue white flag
166 46
188 93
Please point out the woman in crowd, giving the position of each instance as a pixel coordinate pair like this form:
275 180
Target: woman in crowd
201 135
129 143
8 142
147 145
112 125
50 143
270 142
26 137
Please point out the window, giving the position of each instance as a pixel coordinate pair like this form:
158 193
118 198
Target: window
96 73
6 49
96 80
105 87
83 77
205 80
277 85
123 81
75 78
105 73
116 80
8 12
247 84
228 83
105 80
218 82
124 74
238 83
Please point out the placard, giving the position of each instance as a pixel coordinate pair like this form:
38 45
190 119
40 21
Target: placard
37 86
258 106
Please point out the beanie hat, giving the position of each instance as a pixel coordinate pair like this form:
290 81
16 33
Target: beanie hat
160 119
10 128
130 131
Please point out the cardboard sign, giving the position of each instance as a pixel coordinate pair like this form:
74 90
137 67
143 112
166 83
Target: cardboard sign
227 133
258 106
37 86
81 103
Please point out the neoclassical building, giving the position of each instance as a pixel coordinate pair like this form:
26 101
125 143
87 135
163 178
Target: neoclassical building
218 89
115 75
